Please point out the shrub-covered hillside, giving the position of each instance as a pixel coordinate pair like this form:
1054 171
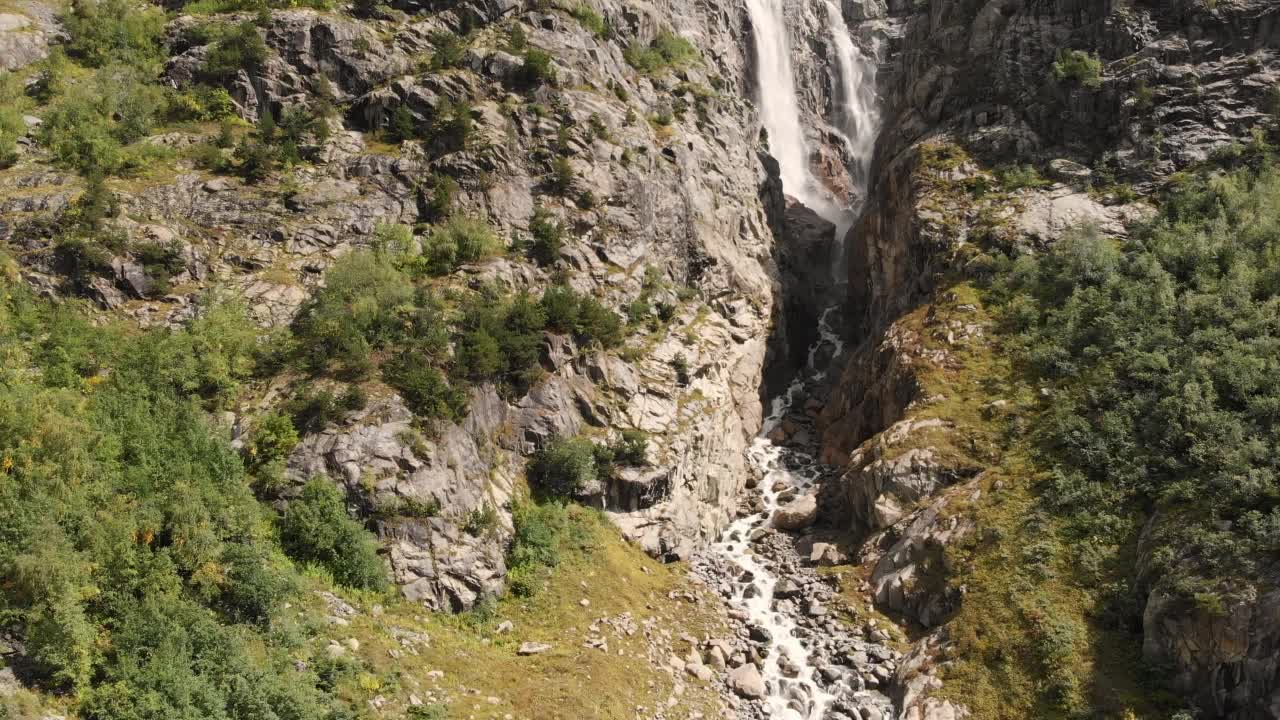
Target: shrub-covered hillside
141 572
1164 353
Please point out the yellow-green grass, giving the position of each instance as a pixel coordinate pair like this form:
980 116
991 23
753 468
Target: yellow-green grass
569 681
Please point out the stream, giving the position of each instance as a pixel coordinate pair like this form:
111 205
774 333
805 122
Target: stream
813 666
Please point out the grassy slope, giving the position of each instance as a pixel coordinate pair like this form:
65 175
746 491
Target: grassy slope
570 681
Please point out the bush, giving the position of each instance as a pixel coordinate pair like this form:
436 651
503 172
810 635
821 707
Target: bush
147 592
548 237
450 50
563 467
201 103
401 126
1078 66
452 126
102 32
536 68
597 323
591 20
458 241
632 449
425 389
14 104
667 51
316 528
1157 349
273 438
1017 177
439 204
359 309
562 176
89 126
560 305
239 48
680 364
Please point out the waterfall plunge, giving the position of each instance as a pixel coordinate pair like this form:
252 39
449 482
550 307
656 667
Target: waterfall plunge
780 112
856 117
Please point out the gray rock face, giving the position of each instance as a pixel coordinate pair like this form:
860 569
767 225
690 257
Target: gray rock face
25 35
683 205
1227 662
1177 81
911 576
426 492
889 475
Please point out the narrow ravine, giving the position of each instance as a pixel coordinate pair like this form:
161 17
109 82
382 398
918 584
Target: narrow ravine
803 663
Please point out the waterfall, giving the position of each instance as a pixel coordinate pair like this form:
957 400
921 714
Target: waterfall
780 112
857 113
797 668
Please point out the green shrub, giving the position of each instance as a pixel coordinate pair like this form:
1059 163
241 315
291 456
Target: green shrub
458 241
14 104
450 50
591 20
90 125
562 176
632 448
481 520
548 237
240 47
316 528
214 355
536 68
1017 177
273 438
680 364
425 389
201 103
563 467
401 126
102 32
597 323
392 239
359 309
1078 66
442 192
311 412
667 51
517 39
139 569
452 126
560 305
1158 350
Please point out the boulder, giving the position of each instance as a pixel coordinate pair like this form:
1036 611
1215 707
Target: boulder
747 682
796 515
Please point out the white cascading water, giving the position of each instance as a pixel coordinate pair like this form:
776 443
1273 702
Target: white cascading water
793 690
780 113
858 118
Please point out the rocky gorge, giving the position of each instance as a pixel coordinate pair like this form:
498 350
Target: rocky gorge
788 204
